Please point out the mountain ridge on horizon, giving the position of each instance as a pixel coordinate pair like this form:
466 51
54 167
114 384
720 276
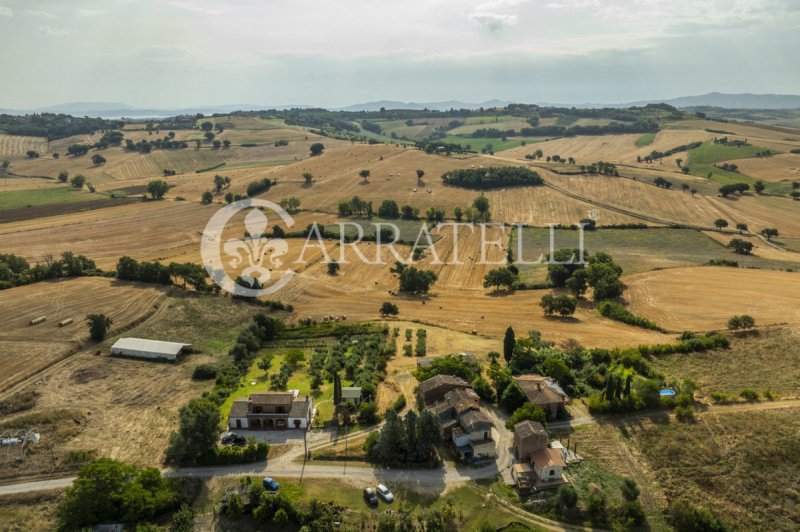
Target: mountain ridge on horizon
122 110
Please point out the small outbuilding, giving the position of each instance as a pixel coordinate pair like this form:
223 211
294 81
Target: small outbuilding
351 393
148 349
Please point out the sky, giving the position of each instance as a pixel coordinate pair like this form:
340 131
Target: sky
184 53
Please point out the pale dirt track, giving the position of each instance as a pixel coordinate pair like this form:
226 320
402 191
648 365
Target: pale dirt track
704 298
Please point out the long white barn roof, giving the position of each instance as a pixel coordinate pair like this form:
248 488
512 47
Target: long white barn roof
152 346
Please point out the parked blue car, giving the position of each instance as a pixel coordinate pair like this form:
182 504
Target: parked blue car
270 485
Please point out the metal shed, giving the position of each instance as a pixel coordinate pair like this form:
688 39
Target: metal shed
149 349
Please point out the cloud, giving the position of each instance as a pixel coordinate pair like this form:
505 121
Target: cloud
88 13
5 12
54 32
43 14
494 21
490 14
572 5
189 6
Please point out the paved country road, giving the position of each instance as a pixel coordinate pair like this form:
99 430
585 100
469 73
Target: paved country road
288 465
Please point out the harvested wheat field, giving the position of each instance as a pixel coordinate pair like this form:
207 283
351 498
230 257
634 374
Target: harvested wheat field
611 148
541 206
163 230
486 313
776 138
704 298
25 349
16 146
634 196
394 177
783 167
8 183
336 178
760 212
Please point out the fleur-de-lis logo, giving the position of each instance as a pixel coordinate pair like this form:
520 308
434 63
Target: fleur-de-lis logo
256 247
256 255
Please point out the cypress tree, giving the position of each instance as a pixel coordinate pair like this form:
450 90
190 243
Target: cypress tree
508 344
337 389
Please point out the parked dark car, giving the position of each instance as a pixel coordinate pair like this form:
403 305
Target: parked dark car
370 497
270 485
234 439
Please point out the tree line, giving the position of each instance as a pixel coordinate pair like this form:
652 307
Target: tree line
54 126
16 271
494 177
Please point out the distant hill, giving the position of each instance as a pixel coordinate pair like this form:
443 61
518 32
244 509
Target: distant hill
433 106
114 110
733 101
120 110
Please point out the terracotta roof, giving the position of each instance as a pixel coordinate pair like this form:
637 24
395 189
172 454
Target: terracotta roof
239 408
528 428
462 399
441 380
299 408
547 458
272 398
540 390
475 420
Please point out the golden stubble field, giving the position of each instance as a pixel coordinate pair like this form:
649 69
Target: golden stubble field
26 349
760 212
704 298
777 168
671 205
613 148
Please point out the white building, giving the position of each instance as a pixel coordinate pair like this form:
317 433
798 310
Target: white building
149 349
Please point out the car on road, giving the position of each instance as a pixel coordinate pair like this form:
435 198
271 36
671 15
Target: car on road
385 493
370 497
232 438
270 484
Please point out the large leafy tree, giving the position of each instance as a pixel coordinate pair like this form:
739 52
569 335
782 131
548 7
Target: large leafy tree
197 432
106 490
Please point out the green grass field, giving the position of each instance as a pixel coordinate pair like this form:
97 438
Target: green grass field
472 504
497 144
635 250
209 323
14 199
300 380
702 160
645 140
566 120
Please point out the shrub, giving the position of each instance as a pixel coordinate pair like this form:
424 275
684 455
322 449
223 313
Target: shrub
719 397
399 404
615 311
204 372
687 518
749 394
684 413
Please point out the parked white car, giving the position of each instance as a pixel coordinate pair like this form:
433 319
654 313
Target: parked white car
384 493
